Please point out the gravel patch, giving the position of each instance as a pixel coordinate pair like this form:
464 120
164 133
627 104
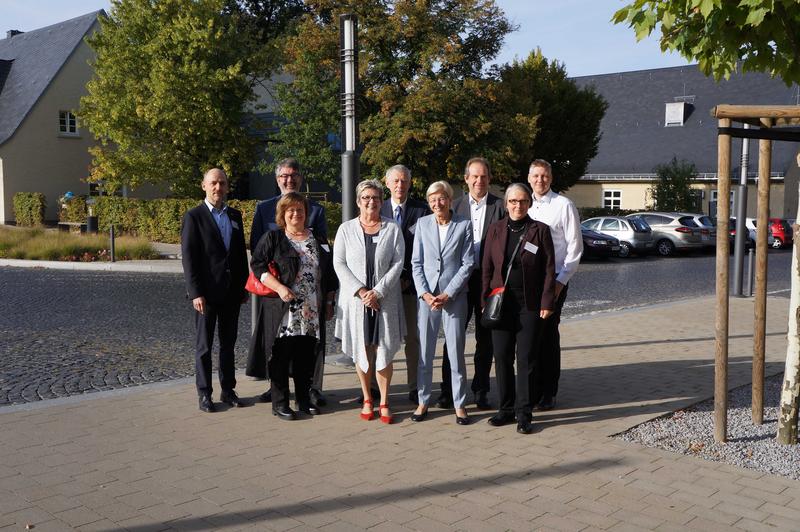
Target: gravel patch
691 432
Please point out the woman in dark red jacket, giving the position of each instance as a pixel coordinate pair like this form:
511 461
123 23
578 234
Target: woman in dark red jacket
526 247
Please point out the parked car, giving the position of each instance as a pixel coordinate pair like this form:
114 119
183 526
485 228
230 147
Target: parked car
634 235
672 231
708 228
781 232
597 245
750 224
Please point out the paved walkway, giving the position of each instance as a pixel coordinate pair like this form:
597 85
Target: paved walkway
147 459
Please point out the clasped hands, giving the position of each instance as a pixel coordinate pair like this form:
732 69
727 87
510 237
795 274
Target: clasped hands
369 298
435 302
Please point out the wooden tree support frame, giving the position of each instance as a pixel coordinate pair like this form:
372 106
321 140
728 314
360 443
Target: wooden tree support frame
772 122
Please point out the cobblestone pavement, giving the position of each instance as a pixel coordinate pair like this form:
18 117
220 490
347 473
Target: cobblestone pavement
67 333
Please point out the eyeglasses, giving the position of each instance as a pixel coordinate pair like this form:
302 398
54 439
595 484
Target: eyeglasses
516 202
288 176
367 199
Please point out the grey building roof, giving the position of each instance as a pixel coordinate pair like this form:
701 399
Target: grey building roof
634 139
30 61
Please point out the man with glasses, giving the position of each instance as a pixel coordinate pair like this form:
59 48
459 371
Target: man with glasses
483 208
560 214
290 179
406 211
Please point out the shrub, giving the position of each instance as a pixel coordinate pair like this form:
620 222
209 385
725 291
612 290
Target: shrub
29 208
590 212
333 216
73 209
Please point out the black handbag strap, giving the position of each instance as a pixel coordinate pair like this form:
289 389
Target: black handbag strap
511 261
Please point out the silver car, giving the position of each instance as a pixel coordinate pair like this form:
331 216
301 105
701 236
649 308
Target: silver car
634 235
708 229
672 231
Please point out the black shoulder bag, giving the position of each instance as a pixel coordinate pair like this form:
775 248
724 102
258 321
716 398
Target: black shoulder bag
492 315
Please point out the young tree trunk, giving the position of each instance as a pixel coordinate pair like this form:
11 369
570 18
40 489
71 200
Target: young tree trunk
790 394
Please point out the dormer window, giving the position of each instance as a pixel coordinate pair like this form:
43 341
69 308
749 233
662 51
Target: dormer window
67 124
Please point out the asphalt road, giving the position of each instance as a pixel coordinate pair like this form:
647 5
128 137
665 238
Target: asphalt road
72 332
600 286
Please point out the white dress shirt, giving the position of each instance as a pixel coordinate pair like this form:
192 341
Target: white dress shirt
477 211
560 214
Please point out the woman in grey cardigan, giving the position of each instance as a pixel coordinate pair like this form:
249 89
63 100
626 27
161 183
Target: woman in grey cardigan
368 258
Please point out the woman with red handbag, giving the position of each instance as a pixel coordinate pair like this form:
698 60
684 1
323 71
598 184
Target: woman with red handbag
519 263
296 266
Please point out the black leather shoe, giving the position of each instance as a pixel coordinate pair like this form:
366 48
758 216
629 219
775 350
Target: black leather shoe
316 397
462 420
444 401
206 404
548 402
284 412
481 401
413 397
308 408
500 419
525 426
266 397
231 399
419 417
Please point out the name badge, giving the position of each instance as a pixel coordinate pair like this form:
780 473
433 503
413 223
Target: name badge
235 225
326 247
531 247
376 239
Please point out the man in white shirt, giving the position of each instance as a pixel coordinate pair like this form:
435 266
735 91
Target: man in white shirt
560 214
483 208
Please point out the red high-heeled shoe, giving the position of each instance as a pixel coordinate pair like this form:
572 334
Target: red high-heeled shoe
371 415
386 419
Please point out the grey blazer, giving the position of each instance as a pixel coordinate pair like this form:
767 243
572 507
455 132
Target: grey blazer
442 268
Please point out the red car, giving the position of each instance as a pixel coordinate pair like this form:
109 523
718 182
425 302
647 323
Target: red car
782 232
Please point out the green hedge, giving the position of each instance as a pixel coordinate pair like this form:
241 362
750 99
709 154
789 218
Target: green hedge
159 220
29 208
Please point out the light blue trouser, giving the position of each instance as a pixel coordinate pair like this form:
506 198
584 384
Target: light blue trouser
453 317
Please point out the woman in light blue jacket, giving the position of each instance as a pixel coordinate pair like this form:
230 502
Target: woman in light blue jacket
441 264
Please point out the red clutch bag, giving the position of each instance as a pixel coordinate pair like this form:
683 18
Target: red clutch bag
254 286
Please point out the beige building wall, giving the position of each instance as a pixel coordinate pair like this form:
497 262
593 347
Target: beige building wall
636 196
632 196
37 158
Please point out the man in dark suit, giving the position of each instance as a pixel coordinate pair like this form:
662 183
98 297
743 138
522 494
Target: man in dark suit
483 208
406 211
215 268
290 179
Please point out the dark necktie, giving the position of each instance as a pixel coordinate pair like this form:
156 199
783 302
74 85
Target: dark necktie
398 215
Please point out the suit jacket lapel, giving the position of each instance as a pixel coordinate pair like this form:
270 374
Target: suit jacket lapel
214 227
489 216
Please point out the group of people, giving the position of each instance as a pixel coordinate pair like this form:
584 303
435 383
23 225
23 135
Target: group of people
402 270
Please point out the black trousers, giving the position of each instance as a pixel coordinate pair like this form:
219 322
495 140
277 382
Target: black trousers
550 342
516 343
225 317
483 343
299 352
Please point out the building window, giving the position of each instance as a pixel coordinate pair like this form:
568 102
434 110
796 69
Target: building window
67 123
612 199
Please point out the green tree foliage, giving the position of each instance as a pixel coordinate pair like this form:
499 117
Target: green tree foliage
309 105
422 102
672 191
763 34
568 118
172 78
